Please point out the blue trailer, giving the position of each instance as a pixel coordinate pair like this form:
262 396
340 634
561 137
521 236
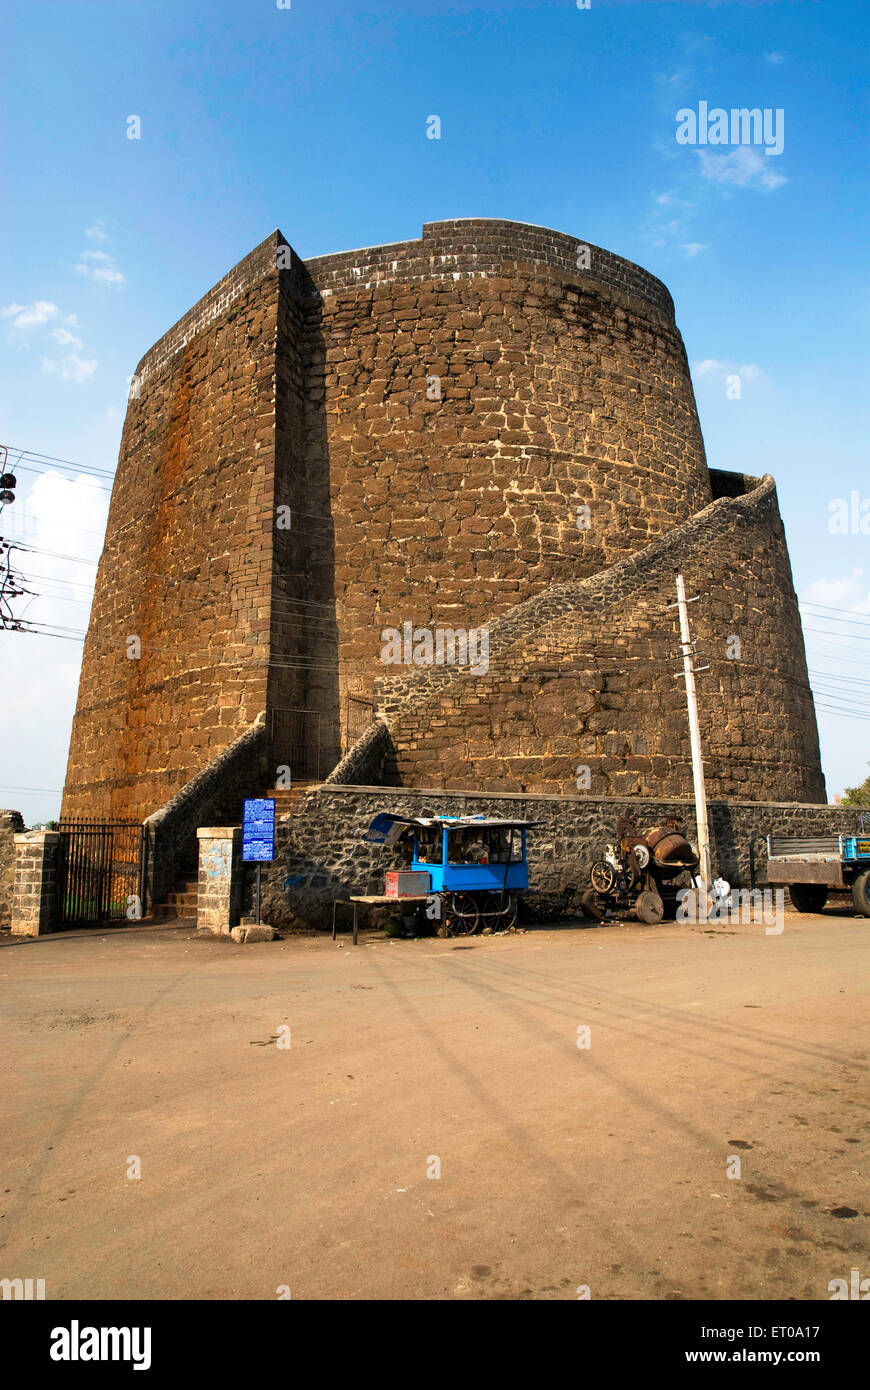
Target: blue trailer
470 869
812 865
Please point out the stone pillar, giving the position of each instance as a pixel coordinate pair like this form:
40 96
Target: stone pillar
36 901
11 824
219 892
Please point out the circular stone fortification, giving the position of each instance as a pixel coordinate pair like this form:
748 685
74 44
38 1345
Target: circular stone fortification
505 406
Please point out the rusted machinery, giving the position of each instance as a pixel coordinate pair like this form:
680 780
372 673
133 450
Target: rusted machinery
640 872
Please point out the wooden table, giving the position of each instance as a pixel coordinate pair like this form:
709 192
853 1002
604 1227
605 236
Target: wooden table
368 899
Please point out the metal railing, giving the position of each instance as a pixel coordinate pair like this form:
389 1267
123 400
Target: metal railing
296 742
360 714
102 871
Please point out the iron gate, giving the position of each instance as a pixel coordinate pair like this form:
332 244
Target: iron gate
296 742
102 871
360 714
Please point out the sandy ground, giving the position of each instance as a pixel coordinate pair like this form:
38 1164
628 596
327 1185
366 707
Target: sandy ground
266 1167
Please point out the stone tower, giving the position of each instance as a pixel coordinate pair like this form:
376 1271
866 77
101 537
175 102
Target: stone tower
489 429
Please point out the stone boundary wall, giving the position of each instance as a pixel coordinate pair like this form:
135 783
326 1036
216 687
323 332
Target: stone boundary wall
321 843
480 246
11 824
213 796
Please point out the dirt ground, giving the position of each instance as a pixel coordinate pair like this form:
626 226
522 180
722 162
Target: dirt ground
266 1167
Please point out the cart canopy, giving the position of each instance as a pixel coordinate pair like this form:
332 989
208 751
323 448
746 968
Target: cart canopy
387 827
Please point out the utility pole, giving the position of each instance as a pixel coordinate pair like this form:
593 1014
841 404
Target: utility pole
705 866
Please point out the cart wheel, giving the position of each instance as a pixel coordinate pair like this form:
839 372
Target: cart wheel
591 905
650 909
508 918
861 893
603 876
461 914
809 897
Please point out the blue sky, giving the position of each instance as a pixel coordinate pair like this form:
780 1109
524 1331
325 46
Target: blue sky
313 119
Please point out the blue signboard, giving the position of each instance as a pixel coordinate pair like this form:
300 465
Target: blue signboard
258 831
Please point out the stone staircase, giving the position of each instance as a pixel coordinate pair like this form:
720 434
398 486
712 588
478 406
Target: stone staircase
181 901
287 798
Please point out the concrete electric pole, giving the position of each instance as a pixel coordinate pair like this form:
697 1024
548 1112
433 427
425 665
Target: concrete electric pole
705 866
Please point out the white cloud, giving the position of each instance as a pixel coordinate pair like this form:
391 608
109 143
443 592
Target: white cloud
850 592
105 274
65 339
71 368
27 316
744 167
692 248
67 516
709 366
776 57
100 266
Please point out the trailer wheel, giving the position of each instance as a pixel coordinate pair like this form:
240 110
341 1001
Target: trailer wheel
650 909
861 893
808 897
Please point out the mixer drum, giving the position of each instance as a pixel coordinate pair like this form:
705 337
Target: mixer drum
670 850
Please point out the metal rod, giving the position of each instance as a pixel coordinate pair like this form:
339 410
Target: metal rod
705 862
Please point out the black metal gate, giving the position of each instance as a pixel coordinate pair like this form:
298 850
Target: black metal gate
296 742
102 871
360 714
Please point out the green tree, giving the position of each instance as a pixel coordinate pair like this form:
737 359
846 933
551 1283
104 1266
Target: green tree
857 796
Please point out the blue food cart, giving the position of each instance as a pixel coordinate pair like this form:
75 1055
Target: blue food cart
470 868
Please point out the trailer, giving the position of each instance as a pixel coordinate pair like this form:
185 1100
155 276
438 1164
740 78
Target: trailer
469 869
811 866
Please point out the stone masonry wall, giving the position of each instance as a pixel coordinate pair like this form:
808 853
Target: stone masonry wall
582 675
36 893
321 847
559 388
187 565
11 824
308 387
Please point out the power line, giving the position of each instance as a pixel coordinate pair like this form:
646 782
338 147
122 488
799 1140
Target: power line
43 791
850 616
50 458
53 554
